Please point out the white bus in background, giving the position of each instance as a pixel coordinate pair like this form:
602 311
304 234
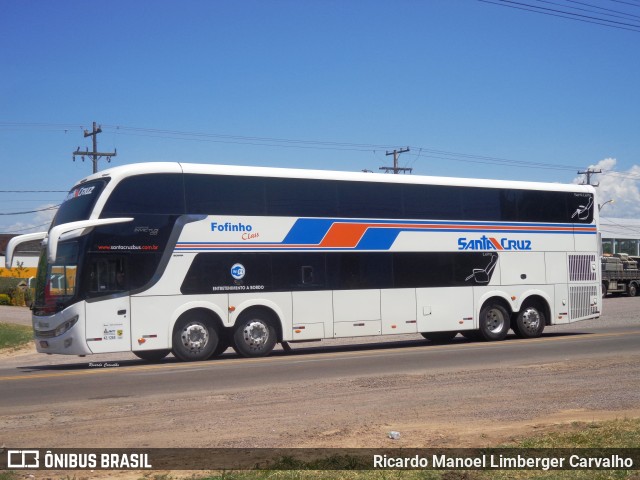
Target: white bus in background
191 259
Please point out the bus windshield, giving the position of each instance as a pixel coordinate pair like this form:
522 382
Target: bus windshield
79 202
56 282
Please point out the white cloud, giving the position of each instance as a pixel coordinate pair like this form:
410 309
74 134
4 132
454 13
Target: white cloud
35 222
623 187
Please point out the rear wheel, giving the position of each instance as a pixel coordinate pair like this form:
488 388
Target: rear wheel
439 337
494 322
604 290
632 291
194 337
255 335
152 355
529 323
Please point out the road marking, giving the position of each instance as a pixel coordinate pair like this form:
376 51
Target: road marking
320 356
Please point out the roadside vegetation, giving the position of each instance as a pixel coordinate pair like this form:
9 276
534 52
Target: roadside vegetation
14 336
622 433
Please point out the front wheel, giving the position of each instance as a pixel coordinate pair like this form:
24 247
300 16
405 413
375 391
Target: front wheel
194 338
254 335
529 322
494 322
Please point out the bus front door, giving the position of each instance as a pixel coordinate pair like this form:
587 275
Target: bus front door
108 310
108 324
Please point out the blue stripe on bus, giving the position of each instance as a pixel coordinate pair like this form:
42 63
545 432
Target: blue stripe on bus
308 233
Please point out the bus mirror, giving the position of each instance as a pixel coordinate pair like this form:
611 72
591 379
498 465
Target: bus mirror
15 241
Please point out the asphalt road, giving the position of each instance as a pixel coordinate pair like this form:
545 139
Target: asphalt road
23 378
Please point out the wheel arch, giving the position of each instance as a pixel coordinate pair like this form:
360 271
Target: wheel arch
210 310
495 297
500 300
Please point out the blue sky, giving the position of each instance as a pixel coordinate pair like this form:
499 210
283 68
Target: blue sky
352 79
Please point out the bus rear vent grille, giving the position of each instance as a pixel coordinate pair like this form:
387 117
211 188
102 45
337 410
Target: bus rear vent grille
582 268
583 301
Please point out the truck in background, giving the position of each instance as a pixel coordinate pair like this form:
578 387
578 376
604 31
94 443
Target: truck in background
620 274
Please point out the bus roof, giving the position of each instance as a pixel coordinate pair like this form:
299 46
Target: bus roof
117 173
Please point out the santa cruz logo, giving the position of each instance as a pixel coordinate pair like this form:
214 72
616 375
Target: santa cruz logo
491 243
80 192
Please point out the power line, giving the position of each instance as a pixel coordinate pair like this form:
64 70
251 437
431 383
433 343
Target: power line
321 145
423 152
564 14
30 228
347 146
33 191
615 14
53 207
244 139
626 3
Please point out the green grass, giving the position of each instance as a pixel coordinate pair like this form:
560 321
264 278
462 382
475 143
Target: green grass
13 336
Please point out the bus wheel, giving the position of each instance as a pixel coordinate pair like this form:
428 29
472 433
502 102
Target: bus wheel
194 338
152 355
529 322
439 337
632 291
255 335
494 322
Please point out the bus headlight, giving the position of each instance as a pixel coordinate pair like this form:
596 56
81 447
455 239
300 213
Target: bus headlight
65 326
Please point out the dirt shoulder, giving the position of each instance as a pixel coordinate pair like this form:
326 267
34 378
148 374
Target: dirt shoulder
453 409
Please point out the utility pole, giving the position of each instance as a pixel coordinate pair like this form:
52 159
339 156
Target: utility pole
588 173
395 167
95 154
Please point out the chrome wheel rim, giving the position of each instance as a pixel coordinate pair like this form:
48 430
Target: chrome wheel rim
495 321
195 337
531 320
255 334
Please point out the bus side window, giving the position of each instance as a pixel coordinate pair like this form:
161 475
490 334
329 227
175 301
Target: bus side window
107 275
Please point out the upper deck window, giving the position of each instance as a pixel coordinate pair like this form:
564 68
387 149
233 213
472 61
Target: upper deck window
157 193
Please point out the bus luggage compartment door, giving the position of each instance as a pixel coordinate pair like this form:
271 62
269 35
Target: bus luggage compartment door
108 324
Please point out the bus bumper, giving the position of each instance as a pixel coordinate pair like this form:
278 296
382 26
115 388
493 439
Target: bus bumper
62 333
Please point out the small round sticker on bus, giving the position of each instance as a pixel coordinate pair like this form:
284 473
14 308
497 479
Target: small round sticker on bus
238 271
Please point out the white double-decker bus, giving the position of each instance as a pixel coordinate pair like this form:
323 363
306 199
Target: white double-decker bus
191 259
